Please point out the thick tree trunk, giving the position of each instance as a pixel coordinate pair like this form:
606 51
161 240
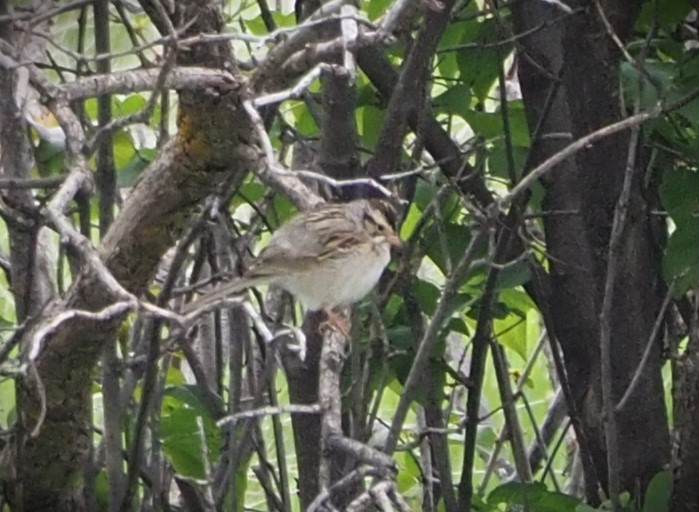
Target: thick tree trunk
580 53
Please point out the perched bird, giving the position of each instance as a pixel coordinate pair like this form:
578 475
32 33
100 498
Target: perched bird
332 255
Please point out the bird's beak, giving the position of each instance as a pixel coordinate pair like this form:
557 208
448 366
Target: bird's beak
395 241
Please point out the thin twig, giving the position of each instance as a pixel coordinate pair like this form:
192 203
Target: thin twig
269 411
652 340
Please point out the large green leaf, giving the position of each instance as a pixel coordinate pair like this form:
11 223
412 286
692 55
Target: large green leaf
182 405
681 261
478 62
182 442
663 14
658 493
680 196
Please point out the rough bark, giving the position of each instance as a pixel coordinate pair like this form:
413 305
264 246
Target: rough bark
685 493
580 53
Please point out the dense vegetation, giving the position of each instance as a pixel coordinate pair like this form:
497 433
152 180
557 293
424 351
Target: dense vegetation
534 346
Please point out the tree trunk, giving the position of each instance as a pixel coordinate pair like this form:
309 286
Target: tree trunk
581 54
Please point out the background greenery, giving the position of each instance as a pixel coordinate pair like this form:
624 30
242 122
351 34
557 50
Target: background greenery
169 391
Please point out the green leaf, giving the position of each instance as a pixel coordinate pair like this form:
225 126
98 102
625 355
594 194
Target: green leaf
534 497
305 123
256 26
376 8
410 475
424 194
511 331
664 13
366 95
412 216
456 237
7 402
131 105
182 405
101 487
191 396
283 210
455 100
637 87
369 122
446 57
658 493
174 376
49 159
485 124
242 479
513 275
680 195
479 65
90 106
250 191
427 295
681 260
181 441
584 507
124 149
519 127
129 173
284 20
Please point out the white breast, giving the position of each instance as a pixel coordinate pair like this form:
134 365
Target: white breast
338 282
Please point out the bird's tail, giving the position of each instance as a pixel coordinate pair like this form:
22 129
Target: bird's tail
223 291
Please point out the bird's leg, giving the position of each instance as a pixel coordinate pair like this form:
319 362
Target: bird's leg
337 321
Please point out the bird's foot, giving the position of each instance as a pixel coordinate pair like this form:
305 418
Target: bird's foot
336 321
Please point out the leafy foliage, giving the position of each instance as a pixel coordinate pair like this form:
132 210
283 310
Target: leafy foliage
231 362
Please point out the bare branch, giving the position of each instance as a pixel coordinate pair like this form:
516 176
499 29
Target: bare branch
125 82
269 411
54 323
652 340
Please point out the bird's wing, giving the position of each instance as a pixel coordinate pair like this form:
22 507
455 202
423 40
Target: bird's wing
306 240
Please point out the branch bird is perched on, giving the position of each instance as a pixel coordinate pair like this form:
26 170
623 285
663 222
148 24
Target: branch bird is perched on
332 255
